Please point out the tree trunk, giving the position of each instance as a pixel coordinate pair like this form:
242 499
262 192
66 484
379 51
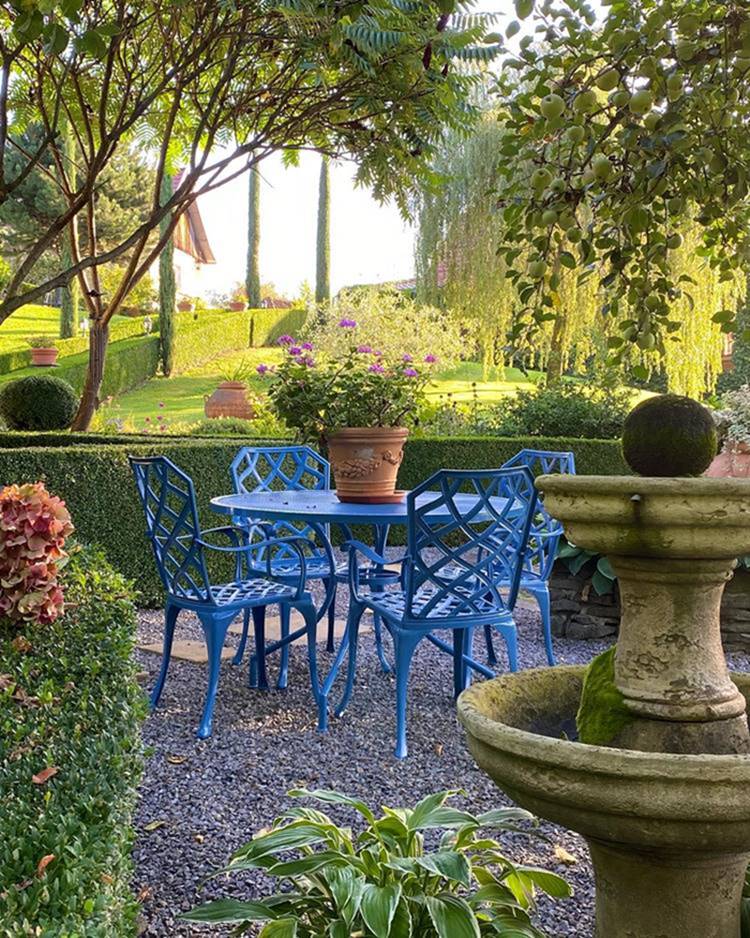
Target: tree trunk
167 288
555 358
71 292
252 274
323 265
90 397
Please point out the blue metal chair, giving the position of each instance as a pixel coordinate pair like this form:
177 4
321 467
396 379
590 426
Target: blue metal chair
543 540
274 468
180 548
457 575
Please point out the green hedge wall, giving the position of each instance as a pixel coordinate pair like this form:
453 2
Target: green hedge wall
81 715
96 482
269 324
121 328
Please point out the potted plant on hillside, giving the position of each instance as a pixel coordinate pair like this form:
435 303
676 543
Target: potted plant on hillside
43 350
238 298
230 397
733 421
358 404
185 304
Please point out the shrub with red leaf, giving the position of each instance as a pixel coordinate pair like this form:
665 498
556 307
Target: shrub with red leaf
33 529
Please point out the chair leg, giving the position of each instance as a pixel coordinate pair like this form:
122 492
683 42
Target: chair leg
330 641
170 619
511 641
310 616
258 675
404 646
462 645
378 629
352 636
491 656
215 631
285 614
543 599
243 640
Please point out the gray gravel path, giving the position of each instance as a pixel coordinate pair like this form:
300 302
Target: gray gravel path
200 800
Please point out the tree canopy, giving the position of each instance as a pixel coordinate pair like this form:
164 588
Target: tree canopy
636 129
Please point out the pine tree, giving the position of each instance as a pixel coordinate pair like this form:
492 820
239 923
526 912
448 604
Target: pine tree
252 273
70 294
323 266
167 289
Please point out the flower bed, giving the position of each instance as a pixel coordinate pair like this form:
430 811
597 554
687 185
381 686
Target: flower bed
69 738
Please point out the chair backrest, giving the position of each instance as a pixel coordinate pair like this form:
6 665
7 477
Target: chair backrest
168 499
279 468
467 536
545 530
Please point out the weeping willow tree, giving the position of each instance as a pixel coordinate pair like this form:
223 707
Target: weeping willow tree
460 227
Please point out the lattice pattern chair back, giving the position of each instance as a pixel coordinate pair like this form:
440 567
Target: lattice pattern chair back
545 530
168 499
276 468
471 565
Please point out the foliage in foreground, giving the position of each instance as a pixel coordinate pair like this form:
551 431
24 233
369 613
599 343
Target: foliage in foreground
386 882
69 762
39 402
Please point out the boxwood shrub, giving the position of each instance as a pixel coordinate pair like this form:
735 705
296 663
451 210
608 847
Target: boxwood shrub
96 482
70 703
269 324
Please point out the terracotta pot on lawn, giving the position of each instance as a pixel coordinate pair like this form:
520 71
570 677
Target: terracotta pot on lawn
44 357
229 400
365 462
236 306
184 306
733 462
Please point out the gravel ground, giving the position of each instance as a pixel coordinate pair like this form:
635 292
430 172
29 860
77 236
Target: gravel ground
200 800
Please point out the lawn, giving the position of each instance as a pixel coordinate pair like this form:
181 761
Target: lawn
29 321
180 399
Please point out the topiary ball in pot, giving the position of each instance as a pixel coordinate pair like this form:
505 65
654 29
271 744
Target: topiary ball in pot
40 402
669 435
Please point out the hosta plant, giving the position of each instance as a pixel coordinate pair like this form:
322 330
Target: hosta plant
429 871
33 529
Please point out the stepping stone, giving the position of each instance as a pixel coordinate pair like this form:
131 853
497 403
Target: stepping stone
187 650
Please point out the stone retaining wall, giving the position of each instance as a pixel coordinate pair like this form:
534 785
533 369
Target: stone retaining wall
579 612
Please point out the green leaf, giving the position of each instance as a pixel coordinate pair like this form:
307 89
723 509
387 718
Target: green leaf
346 888
28 26
448 864
401 926
55 38
92 43
500 818
334 797
605 568
603 585
378 906
452 917
228 910
307 864
550 883
339 929
290 837
281 928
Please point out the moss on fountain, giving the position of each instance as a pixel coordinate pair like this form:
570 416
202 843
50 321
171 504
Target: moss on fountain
669 435
602 715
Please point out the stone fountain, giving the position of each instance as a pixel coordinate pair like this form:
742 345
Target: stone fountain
665 808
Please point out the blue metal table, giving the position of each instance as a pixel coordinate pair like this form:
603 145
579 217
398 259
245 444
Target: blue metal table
321 508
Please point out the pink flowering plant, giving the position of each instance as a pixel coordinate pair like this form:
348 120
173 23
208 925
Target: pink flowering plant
317 394
33 528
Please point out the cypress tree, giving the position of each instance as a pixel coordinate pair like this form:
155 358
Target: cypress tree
252 274
167 287
323 266
70 294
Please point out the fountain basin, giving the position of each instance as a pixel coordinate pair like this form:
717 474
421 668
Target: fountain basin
706 519
669 833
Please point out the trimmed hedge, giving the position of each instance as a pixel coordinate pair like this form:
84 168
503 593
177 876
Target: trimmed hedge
96 482
71 702
17 358
269 324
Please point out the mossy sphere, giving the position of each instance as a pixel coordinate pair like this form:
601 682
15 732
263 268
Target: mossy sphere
669 435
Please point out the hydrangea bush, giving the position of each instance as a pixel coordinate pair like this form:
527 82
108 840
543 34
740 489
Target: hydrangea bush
34 526
317 393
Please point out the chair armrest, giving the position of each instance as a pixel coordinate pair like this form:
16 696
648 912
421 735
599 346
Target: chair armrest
360 548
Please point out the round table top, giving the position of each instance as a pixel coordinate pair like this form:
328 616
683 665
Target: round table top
323 507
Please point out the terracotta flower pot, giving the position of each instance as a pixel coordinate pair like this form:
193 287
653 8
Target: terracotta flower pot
236 306
43 357
365 461
733 462
229 400
184 306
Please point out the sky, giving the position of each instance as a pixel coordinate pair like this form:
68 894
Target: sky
370 242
